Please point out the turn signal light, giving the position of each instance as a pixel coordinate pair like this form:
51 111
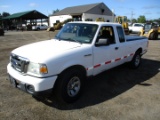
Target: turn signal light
43 69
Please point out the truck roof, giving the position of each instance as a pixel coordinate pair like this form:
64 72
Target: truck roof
98 23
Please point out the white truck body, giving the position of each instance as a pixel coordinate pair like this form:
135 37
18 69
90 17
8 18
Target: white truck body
136 27
37 67
40 27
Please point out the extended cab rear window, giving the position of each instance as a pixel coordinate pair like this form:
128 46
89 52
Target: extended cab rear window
120 34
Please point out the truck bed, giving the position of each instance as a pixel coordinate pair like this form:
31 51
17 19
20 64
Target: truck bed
133 38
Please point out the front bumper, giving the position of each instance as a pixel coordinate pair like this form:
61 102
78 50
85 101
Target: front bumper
30 84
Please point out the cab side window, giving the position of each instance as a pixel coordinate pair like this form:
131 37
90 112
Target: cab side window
121 34
106 32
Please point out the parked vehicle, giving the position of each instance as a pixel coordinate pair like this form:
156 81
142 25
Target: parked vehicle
151 31
78 51
135 27
40 27
21 27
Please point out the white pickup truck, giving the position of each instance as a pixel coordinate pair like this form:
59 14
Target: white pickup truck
135 28
79 50
40 27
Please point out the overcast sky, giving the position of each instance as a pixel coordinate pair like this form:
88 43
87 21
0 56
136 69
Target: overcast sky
149 8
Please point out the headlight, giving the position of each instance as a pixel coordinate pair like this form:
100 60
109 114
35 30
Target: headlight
35 68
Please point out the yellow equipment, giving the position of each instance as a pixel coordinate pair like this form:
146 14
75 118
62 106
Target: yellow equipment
100 20
58 25
123 20
151 31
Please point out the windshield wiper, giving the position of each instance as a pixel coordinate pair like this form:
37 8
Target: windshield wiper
57 37
74 40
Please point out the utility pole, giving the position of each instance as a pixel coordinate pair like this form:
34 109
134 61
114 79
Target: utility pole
132 16
112 15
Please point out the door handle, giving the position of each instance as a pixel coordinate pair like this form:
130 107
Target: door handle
87 55
116 48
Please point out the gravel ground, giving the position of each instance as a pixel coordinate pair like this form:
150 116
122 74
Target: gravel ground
117 94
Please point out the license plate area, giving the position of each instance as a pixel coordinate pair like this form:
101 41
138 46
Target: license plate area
13 81
17 84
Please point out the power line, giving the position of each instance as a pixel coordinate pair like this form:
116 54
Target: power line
132 16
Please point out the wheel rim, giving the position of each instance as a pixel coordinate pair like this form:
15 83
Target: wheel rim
137 60
73 86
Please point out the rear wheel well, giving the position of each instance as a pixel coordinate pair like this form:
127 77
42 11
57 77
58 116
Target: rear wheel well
139 50
136 60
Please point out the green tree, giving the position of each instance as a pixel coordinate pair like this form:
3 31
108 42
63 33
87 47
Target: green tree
134 20
5 23
142 19
157 20
128 20
55 11
5 14
0 20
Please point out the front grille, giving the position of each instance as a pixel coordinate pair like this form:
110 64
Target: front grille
19 63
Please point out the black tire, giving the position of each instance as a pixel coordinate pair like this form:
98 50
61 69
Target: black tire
156 36
69 85
38 29
130 31
153 36
136 61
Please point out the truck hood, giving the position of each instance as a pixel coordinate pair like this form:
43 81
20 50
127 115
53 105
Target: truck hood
42 51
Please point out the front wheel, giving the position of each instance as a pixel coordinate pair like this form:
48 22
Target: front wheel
69 85
136 61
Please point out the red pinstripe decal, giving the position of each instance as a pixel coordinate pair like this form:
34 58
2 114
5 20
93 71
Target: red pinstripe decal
97 65
131 54
108 62
117 59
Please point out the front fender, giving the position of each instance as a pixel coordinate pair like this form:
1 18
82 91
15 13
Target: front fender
70 64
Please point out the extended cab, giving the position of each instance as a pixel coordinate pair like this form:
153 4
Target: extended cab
79 50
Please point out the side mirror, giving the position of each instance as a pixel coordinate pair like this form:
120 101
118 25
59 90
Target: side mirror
102 42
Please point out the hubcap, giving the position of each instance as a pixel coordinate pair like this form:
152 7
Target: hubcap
73 86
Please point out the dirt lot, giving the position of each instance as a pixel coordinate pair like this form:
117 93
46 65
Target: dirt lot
117 94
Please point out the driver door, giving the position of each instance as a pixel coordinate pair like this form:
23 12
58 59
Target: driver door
106 56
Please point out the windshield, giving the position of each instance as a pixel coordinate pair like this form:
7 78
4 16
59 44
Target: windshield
77 32
148 26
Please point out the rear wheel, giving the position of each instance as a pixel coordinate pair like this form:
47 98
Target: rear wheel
136 61
153 36
69 85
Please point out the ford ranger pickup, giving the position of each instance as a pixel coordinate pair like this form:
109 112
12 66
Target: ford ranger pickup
78 51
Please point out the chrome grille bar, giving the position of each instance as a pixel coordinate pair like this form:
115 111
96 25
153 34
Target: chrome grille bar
19 63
